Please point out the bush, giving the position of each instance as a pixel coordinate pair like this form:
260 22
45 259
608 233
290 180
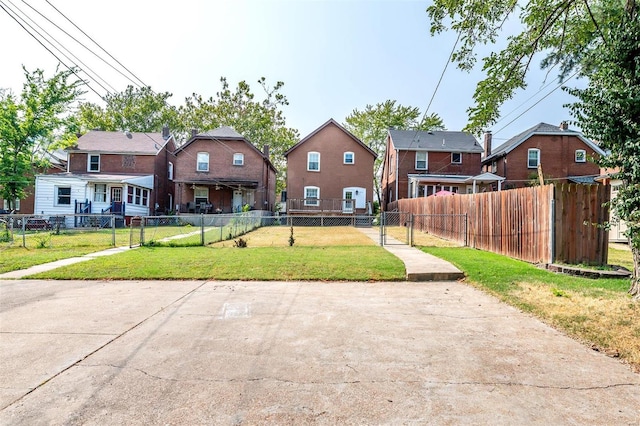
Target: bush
240 243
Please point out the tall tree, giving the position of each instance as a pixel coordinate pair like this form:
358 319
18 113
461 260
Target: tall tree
134 109
371 124
261 121
573 35
609 111
28 125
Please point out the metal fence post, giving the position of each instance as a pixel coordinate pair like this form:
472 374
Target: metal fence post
202 229
113 230
552 231
410 229
142 230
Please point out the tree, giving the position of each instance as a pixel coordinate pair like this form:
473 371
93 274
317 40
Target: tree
134 109
574 35
29 124
261 122
609 111
371 124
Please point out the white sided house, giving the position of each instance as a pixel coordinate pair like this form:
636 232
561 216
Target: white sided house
110 173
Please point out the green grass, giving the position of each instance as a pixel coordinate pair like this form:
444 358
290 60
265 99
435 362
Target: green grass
336 263
15 258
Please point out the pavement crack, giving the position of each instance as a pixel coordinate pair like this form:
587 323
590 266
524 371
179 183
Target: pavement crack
529 385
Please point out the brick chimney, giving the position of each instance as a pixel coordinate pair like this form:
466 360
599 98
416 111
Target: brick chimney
194 133
564 125
265 151
165 132
487 143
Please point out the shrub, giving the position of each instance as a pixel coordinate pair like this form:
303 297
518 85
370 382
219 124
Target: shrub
240 243
291 239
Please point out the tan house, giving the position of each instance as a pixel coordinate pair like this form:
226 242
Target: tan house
220 171
564 155
330 171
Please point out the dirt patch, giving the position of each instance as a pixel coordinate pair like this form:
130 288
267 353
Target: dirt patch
305 236
608 323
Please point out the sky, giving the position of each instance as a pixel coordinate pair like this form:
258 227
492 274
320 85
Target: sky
333 56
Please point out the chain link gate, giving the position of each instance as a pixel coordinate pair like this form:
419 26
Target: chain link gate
394 228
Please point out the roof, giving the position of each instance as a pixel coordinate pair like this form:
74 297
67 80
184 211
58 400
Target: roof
119 142
540 129
224 132
583 179
486 177
436 140
332 121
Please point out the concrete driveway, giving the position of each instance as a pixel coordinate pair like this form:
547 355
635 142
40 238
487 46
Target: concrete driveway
165 352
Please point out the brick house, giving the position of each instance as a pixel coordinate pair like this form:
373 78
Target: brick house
422 163
563 154
220 171
127 174
330 171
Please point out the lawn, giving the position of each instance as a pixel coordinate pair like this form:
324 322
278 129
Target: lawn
14 258
598 312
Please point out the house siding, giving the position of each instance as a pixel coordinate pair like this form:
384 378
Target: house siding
334 176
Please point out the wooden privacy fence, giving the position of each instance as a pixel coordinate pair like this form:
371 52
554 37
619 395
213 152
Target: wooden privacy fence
542 224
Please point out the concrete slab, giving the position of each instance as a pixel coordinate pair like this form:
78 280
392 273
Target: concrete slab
419 266
296 353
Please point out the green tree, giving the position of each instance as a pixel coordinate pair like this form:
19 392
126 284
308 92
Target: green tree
29 124
134 109
609 111
571 35
371 124
261 121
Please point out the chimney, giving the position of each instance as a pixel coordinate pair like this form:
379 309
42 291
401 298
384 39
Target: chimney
564 126
487 143
265 151
165 132
194 133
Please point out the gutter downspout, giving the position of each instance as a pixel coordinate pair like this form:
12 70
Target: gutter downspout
397 172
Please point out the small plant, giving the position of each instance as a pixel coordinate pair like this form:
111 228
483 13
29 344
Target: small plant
559 293
42 240
291 239
240 243
246 208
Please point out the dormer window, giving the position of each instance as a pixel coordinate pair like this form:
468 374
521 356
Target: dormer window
93 163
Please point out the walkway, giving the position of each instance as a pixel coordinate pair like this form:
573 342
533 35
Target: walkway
419 266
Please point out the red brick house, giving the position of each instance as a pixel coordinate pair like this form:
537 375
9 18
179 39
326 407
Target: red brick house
564 155
421 163
220 171
123 173
330 171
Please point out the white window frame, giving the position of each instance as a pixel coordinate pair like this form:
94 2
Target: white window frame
202 162
311 201
170 171
90 163
16 204
529 152
494 166
57 189
346 155
100 196
460 156
309 162
426 160
238 159
584 155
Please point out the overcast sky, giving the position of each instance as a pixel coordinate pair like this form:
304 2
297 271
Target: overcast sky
333 56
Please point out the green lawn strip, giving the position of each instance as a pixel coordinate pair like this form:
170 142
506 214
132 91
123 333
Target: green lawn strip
501 274
14 258
336 263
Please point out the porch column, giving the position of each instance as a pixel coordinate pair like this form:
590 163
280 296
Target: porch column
474 186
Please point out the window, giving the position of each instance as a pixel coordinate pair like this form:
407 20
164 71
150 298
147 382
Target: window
533 158
313 161
16 205
203 162
494 167
201 195
93 164
100 194
170 171
349 158
311 196
421 161
63 195
456 158
138 196
238 159
581 156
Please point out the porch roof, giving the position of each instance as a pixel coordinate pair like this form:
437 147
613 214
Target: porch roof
245 183
144 181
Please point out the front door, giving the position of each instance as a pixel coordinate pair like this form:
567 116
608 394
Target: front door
116 194
237 201
347 204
